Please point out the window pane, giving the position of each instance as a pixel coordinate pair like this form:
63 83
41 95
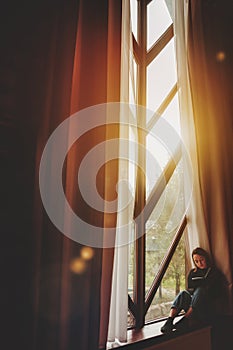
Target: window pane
134 13
170 7
131 270
161 76
162 143
162 224
166 216
172 283
172 114
131 320
156 159
158 20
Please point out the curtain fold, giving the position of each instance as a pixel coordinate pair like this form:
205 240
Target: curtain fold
196 228
118 318
205 76
65 313
71 292
113 95
211 73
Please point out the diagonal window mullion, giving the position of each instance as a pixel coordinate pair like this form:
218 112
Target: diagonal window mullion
162 108
159 45
136 50
161 183
132 307
164 265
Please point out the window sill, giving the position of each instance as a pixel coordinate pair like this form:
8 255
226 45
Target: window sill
150 335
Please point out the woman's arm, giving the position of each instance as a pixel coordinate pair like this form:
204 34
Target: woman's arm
196 278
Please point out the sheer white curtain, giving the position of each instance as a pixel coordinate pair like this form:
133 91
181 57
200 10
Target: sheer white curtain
197 232
118 318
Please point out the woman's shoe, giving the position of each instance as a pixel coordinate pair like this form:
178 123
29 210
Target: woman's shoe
168 326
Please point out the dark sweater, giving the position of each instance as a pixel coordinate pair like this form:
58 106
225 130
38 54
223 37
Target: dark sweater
208 278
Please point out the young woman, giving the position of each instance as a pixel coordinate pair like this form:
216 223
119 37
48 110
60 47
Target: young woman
197 300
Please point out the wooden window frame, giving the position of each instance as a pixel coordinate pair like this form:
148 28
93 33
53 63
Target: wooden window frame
140 304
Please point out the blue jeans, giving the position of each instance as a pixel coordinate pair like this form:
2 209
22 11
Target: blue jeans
198 301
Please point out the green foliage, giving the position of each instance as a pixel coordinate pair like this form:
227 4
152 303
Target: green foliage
160 230
162 227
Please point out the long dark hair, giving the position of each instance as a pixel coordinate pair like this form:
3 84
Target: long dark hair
204 253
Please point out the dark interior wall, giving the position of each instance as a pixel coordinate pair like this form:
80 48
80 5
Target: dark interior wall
18 142
27 77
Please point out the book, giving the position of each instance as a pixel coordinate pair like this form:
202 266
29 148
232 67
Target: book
203 277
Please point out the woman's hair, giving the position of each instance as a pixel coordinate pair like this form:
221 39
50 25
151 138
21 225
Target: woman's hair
202 252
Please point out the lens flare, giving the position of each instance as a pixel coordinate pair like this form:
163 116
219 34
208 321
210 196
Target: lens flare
87 253
78 265
220 56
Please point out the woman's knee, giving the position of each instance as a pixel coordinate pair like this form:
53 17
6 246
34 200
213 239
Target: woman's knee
199 297
185 295
182 300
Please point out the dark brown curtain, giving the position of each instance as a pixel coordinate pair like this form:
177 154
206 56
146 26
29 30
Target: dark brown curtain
210 55
58 57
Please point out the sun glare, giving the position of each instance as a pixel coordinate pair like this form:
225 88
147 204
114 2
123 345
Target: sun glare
161 78
158 20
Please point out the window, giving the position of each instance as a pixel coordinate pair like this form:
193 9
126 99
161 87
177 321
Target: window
157 258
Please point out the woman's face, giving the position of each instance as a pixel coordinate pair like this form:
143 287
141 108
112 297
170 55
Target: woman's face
199 261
